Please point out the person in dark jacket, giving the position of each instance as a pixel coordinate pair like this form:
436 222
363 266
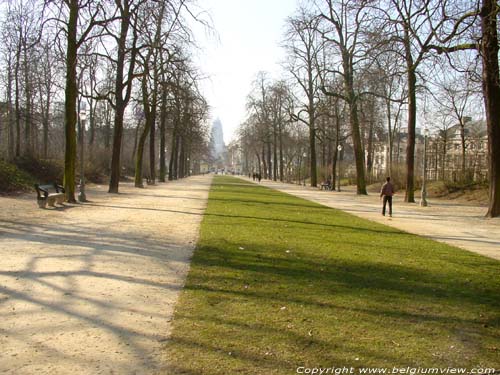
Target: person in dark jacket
386 193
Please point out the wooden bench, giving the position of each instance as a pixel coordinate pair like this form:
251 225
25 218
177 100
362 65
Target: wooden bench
49 194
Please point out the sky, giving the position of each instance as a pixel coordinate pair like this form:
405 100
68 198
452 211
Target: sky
248 36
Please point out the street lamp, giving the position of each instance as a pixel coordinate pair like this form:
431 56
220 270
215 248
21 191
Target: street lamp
339 149
423 200
305 167
83 117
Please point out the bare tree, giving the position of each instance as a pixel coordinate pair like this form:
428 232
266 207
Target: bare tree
457 38
304 47
343 22
78 22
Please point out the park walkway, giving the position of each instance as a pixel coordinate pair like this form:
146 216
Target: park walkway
457 224
91 289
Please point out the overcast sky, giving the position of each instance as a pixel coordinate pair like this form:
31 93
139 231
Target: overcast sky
249 33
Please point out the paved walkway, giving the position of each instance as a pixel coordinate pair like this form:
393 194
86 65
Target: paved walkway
457 224
90 289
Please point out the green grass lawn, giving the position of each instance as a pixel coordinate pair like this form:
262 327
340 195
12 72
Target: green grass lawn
278 282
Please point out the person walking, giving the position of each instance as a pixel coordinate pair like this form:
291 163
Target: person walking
386 193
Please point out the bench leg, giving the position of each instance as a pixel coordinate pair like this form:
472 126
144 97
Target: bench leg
60 200
42 203
51 201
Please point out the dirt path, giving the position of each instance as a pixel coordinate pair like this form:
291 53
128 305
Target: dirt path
90 289
458 224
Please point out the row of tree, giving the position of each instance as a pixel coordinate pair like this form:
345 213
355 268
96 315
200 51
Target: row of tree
126 64
355 69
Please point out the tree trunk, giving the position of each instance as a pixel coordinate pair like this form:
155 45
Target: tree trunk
163 126
107 127
280 138
17 102
172 154
121 99
175 167
152 144
91 124
46 135
443 161
258 161
10 117
410 146
71 93
312 149
150 118
369 161
136 139
117 143
264 160
463 147
182 152
275 154
269 161
28 131
491 91
140 154
358 149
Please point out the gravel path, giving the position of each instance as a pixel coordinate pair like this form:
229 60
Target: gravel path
461 225
90 289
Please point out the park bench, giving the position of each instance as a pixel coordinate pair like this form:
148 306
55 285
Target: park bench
49 194
326 186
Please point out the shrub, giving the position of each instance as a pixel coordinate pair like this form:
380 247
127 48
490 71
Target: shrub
13 179
43 171
95 172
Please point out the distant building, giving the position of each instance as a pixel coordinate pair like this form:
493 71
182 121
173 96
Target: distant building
234 158
381 153
444 153
217 146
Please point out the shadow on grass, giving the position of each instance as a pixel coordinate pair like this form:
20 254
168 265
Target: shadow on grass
260 218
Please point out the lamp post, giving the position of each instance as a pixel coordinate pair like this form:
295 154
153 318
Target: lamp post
83 117
305 167
423 200
339 149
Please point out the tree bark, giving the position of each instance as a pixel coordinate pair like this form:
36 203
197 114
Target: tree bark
71 93
173 153
275 153
28 131
17 102
10 117
280 138
358 149
410 145
491 91
163 126
121 99
149 116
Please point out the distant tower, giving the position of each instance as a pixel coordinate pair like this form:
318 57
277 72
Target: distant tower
217 140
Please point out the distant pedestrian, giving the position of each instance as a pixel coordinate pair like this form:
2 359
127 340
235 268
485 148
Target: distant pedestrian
386 193
259 176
